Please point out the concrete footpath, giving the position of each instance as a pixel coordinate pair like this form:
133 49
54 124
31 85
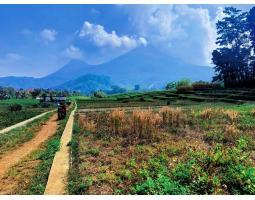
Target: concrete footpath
57 180
23 123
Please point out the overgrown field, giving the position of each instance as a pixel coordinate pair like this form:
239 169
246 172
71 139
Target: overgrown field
200 149
8 117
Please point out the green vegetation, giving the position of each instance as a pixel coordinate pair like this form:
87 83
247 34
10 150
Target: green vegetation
13 111
45 156
204 148
22 134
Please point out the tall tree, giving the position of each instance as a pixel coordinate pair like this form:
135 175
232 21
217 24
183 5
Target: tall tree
231 57
251 27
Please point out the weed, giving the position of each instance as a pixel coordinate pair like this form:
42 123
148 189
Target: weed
93 151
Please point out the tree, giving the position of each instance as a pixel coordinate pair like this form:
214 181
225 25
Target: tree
137 87
171 86
251 27
231 58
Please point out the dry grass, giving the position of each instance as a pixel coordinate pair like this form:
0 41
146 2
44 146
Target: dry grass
117 118
231 133
172 117
86 124
207 113
253 112
144 124
232 115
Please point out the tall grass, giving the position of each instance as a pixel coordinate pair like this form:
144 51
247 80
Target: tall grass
172 117
86 124
117 119
144 124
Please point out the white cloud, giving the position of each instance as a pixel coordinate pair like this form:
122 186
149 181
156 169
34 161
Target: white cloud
100 38
13 56
48 35
73 52
181 30
10 58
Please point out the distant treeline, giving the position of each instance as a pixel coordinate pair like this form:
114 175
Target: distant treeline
9 93
234 58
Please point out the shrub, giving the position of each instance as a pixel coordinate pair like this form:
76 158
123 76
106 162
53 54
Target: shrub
201 85
171 86
15 107
184 89
99 94
172 117
86 124
183 83
117 119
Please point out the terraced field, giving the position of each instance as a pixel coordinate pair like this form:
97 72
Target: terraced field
163 98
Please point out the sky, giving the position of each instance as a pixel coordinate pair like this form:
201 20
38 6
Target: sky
36 40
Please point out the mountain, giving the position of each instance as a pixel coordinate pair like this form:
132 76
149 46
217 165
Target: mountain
87 84
151 68
146 66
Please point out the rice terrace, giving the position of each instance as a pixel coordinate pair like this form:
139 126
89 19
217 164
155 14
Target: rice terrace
81 131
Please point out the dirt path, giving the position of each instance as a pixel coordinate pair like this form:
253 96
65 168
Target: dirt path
10 158
57 180
23 123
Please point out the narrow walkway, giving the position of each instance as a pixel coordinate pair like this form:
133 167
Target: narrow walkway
12 157
23 123
57 180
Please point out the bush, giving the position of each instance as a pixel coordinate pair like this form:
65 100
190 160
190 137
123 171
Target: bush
183 83
201 85
99 94
15 107
171 86
184 89
45 105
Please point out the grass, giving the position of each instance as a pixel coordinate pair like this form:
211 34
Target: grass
22 134
46 155
201 149
31 174
29 109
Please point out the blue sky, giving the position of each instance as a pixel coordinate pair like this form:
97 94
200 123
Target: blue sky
36 40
